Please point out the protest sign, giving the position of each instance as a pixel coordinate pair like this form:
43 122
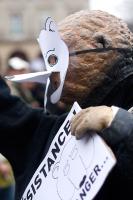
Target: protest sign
72 169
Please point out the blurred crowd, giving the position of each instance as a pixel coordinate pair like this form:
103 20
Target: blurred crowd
32 94
7 184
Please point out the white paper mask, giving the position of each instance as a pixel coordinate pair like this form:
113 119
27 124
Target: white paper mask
53 47
56 56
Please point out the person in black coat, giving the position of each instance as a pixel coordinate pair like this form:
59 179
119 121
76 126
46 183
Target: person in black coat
94 78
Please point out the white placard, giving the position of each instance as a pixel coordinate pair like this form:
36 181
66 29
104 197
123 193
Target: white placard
72 169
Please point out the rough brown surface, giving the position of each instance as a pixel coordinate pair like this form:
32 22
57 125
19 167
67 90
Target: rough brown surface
83 30
89 30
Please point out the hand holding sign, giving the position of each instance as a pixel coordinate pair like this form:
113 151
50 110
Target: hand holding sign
91 119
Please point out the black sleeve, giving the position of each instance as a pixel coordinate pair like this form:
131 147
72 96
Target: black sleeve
18 125
119 136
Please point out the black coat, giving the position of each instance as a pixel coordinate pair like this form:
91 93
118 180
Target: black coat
26 134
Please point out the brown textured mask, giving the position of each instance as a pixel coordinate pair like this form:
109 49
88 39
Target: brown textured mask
87 70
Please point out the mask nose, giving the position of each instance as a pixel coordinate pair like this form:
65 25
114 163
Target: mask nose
55 80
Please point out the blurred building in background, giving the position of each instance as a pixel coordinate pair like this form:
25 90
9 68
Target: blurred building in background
21 22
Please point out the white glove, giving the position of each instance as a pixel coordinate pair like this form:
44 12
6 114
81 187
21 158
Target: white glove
91 119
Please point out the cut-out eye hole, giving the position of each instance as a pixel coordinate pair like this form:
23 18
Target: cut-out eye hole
52 60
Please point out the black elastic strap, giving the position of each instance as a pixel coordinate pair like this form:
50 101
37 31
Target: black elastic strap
100 50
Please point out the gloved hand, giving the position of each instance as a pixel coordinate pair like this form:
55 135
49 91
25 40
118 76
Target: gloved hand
91 119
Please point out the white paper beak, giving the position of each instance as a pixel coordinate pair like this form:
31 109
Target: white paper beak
38 77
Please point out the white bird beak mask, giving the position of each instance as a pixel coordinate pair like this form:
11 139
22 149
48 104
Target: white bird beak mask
56 56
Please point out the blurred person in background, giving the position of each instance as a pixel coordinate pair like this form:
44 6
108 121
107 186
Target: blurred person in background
7 184
38 90
17 65
37 64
